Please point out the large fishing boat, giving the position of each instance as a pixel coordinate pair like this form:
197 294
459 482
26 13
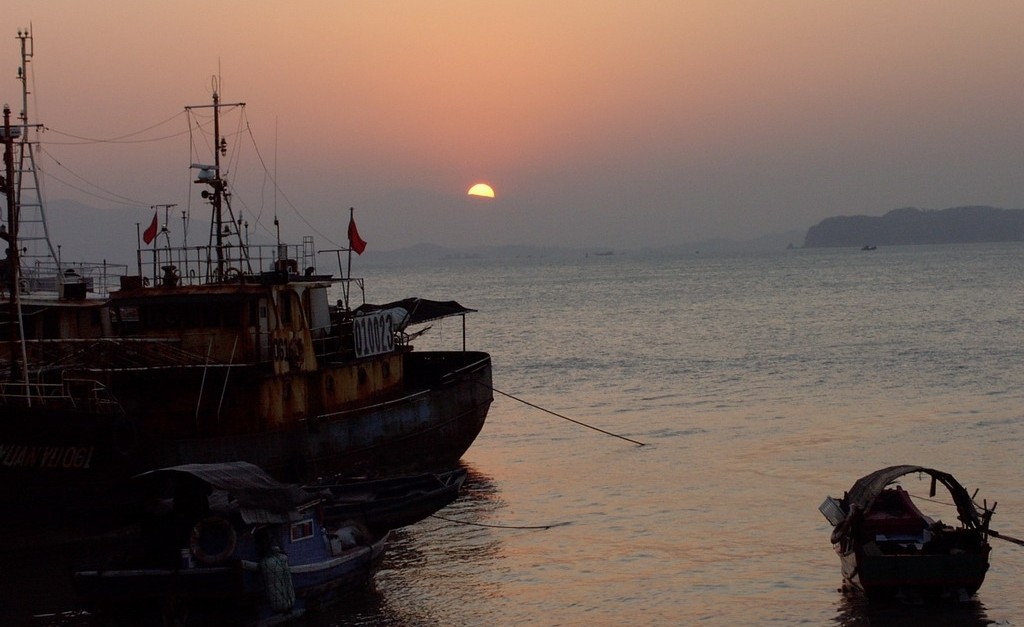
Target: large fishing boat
205 354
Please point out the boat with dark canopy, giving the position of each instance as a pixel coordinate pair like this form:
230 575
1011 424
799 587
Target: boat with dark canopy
226 544
888 547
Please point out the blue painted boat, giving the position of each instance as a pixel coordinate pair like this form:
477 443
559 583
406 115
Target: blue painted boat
227 544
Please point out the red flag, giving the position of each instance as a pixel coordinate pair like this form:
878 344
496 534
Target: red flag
355 242
150 233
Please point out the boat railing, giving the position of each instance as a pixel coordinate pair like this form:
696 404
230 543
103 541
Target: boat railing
198 265
83 394
432 368
94 394
72 279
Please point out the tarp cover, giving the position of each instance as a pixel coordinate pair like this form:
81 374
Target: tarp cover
865 489
420 309
247 483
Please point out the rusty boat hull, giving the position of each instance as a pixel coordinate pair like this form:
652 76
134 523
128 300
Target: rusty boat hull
71 468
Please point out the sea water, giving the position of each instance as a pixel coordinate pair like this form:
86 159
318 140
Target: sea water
758 384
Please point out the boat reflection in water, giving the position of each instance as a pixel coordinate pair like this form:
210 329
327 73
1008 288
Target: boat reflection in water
392 503
855 610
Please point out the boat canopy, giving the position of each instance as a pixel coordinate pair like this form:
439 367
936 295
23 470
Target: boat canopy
867 488
247 484
420 310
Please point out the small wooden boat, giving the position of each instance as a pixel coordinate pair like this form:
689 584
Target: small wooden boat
226 544
888 547
385 504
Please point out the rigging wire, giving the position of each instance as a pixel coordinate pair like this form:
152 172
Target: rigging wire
188 179
111 196
122 139
200 127
234 161
105 195
277 189
192 134
930 500
991 532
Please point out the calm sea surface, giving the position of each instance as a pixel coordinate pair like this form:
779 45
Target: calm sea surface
758 384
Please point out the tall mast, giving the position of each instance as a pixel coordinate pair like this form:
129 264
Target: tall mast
218 189
10 236
211 175
19 369
34 234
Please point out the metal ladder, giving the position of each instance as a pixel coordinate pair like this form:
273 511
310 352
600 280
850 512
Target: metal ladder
37 251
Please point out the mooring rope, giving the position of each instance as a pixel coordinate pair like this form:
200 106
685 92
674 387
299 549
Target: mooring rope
476 524
582 424
991 532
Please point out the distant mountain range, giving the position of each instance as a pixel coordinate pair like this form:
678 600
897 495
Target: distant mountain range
956 225
92 234
86 233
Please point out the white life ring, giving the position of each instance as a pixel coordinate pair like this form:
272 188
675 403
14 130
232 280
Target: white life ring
215 526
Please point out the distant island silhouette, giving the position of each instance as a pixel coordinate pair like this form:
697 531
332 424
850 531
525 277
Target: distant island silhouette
909 225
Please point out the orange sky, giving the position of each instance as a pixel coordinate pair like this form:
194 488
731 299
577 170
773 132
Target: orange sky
598 123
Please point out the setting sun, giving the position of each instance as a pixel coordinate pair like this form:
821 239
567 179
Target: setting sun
481 189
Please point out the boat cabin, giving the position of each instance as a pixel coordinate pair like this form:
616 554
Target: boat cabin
893 516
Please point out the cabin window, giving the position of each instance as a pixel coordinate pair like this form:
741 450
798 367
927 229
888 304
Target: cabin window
230 316
128 314
318 311
125 320
198 316
204 316
302 530
286 307
51 326
209 316
170 317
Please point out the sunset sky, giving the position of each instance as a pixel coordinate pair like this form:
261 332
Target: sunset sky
597 123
